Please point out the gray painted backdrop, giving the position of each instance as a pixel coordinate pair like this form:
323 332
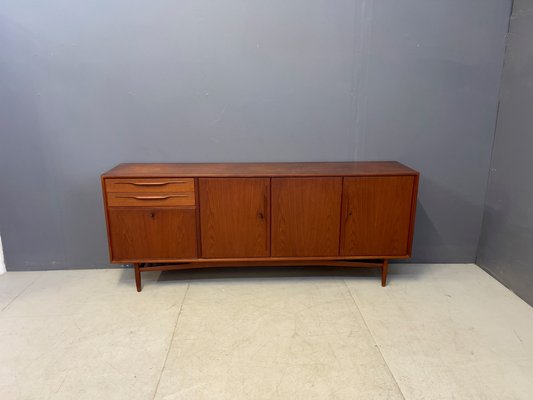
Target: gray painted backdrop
87 85
506 245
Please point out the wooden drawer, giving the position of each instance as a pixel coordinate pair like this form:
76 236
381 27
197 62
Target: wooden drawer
150 199
152 233
149 185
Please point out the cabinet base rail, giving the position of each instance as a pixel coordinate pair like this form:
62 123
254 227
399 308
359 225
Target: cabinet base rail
141 267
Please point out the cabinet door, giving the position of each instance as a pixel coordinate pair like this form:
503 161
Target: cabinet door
152 233
306 216
376 216
234 215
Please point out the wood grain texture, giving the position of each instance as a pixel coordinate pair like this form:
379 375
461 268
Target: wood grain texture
234 217
305 216
149 185
376 215
356 168
145 233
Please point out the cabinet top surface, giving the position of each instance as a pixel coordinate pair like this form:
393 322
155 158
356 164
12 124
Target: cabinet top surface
355 168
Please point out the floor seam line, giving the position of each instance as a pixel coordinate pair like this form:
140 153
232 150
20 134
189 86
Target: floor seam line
20 294
171 340
374 340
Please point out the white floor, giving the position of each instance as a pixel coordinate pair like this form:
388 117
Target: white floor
436 332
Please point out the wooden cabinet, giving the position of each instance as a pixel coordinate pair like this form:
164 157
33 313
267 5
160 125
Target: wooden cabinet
376 215
234 215
178 216
305 216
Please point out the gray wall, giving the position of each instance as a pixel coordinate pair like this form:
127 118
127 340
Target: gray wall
86 85
506 245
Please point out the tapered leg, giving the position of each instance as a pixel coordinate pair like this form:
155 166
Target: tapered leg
384 271
138 276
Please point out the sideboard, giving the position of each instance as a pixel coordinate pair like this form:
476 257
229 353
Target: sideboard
183 216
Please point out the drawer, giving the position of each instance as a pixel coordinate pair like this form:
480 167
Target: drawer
149 185
150 199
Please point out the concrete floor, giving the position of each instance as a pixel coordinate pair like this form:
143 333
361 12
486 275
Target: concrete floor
436 332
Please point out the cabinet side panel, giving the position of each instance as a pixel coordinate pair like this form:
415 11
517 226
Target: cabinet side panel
106 212
376 215
305 216
414 201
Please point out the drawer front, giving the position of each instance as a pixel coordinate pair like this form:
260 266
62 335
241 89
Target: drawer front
149 185
150 199
152 233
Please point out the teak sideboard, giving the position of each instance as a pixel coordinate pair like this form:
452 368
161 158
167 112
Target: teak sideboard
183 216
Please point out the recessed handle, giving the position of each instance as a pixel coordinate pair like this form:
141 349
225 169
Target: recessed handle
153 197
348 209
262 213
149 183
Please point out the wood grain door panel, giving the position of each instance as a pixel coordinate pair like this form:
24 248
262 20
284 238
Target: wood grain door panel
305 216
152 233
376 215
234 216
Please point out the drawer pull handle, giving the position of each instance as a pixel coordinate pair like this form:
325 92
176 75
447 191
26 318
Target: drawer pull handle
149 183
152 197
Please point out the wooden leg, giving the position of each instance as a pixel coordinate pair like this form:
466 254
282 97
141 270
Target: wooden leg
138 276
384 271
